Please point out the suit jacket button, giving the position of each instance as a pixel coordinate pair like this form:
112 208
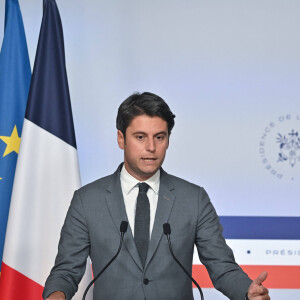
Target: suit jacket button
146 281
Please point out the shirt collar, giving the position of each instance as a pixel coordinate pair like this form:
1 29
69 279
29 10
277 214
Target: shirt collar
129 182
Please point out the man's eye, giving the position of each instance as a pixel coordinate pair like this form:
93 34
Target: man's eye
139 137
160 137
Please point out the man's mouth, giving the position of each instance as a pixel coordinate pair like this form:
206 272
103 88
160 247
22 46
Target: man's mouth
149 159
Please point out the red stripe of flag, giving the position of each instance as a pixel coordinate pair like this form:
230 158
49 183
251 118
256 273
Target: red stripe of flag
280 277
16 286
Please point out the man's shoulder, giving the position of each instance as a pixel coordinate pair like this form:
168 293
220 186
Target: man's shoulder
98 186
185 190
180 182
98 183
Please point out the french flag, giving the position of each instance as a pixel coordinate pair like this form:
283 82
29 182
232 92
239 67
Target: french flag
47 171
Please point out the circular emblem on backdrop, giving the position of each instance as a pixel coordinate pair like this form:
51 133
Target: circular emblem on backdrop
279 147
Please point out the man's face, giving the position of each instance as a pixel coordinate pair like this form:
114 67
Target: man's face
145 146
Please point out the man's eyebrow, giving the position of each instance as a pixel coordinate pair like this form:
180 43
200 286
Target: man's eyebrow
161 132
139 132
158 133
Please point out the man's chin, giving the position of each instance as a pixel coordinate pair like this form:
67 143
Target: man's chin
146 173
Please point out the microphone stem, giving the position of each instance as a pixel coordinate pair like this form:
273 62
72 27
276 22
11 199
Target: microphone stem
100 273
194 281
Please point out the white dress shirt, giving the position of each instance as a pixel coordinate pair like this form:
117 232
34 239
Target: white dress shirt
130 191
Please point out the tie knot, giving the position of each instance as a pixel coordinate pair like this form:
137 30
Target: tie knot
143 187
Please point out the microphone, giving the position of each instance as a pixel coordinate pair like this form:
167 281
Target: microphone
123 229
167 232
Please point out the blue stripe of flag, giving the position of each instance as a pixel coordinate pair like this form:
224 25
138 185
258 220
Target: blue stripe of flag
282 228
15 73
49 103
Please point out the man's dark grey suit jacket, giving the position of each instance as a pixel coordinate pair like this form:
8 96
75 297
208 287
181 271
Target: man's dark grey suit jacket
92 229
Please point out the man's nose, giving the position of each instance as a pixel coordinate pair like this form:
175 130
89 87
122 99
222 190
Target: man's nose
150 145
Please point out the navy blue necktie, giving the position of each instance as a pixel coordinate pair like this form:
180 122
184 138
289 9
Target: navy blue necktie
142 222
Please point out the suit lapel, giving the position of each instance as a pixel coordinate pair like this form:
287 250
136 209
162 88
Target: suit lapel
165 203
116 206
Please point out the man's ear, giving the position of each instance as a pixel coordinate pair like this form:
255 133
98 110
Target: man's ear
121 139
169 134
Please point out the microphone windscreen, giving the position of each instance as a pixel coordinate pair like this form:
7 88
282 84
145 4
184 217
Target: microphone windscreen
167 228
123 226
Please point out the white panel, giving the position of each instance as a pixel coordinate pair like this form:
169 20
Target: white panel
263 252
283 294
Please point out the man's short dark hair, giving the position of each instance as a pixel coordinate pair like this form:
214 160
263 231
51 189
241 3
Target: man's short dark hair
143 104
